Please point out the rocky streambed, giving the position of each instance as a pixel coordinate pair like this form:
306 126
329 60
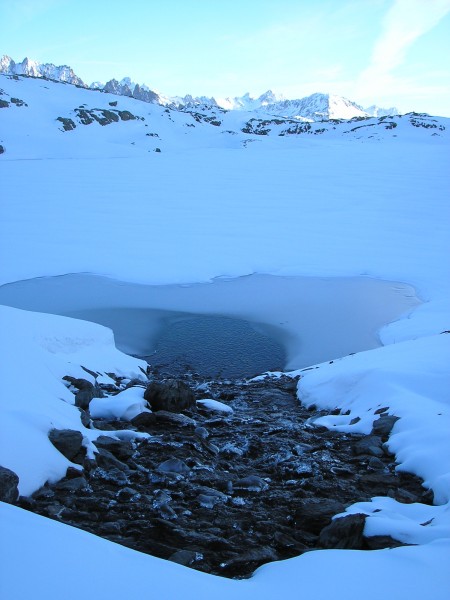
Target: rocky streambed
232 475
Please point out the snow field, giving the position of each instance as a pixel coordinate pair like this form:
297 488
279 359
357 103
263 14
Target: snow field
93 201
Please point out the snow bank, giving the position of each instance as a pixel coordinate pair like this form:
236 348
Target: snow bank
37 350
412 379
49 553
125 405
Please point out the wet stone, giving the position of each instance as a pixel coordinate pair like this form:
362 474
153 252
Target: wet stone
226 493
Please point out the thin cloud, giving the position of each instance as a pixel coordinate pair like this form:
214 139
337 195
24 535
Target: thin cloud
405 22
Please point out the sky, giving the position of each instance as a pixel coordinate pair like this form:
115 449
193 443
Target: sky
385 52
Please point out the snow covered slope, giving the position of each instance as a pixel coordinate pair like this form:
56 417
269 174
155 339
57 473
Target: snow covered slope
84 190
41 118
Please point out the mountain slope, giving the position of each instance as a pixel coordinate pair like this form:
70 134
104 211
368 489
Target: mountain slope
316 107
39 116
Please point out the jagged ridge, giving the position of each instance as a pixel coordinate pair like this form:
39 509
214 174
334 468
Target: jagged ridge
316 107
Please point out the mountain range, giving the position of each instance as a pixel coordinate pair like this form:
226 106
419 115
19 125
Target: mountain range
316 107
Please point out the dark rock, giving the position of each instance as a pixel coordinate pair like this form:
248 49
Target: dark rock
122 449
112 474
110 527
107 460
144 420
185 557
67 124
79 383
72 473
345 533
369 445
379 411
72 485
226 494
125 115
376 464
82 398
127 493
201 433
278 398
172 396
44 493
67 441
176 419
9 482
174 465
383 426
313 514
255 557
252 483
378 542
85 418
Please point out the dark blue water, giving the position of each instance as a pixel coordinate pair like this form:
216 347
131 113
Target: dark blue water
215 346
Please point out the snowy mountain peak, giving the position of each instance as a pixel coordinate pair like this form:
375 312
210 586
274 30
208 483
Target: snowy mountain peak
316 107
376 111
32 68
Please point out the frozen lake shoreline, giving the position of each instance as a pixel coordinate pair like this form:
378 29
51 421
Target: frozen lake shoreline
313 319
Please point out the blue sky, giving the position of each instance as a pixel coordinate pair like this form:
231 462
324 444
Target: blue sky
388 52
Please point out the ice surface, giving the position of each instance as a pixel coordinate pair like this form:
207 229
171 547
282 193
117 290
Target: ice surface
314 319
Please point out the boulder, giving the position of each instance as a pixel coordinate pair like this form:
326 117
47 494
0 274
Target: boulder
143 420
172 396
8 485
107 460
67 441
369 445
174 465
383 426
345 533
86 391
176 419
313 514
122 449
72 485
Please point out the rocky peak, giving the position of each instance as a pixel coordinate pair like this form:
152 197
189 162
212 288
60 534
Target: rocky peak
32 68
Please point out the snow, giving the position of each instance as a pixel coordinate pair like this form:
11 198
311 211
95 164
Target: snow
50 553
125 405
37 351
370 202
412 379
214 405
288 309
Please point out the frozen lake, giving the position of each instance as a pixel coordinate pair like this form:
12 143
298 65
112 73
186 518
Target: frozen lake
232 327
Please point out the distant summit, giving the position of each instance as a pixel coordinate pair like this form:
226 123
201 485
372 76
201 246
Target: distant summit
32 68
317 107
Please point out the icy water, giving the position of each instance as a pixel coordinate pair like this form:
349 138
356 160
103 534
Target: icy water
229 327
216 347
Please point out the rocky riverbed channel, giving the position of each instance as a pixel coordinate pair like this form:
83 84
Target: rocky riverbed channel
223 486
